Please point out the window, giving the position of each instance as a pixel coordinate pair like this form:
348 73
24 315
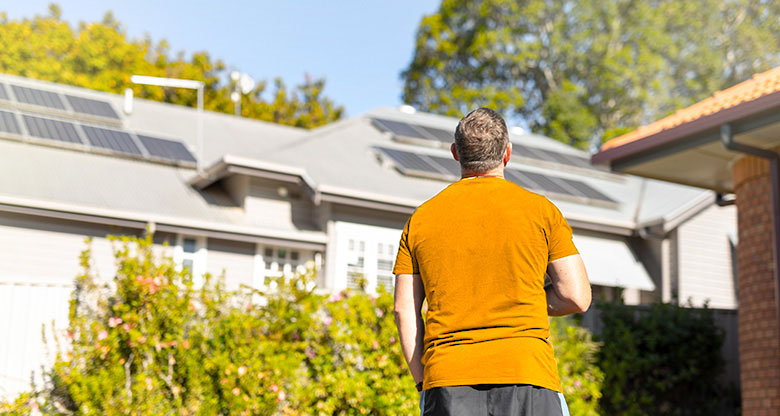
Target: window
364 257
356 278
273 262
384 269
188 245
190 254
384 274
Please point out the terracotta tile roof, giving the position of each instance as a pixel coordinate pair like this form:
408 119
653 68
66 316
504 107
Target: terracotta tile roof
760 85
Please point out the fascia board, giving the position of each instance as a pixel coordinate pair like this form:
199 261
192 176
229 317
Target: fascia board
138 220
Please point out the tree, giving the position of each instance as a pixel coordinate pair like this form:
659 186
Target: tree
100 56
584 70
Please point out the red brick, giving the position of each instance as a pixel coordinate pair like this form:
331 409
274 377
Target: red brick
759 341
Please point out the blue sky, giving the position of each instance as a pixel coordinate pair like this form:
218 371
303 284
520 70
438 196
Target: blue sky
360 47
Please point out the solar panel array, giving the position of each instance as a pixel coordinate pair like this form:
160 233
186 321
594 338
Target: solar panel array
52 100
104 140
90 106
415 164
46 128
37 97
441 136
8 123
115 140
414 131
166 149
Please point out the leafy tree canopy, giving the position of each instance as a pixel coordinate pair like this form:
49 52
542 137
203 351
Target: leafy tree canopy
584 70
100 56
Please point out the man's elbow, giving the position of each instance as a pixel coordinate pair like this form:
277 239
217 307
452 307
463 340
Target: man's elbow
582 302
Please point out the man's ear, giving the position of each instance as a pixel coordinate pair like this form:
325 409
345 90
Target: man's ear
507 153
454 151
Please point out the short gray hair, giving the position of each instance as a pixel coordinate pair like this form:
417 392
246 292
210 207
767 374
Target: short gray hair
480 140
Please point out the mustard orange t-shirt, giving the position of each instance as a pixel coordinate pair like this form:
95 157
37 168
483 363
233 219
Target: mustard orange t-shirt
481 247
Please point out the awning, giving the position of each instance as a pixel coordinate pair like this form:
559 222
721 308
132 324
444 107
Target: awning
611 262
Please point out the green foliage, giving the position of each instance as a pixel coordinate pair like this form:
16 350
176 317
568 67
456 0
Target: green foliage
578 70
100 56
664 360
576 352
150 342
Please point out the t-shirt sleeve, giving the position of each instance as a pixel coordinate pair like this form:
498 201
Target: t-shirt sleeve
404 261
559 238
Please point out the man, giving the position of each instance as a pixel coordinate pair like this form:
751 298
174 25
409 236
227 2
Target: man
478 252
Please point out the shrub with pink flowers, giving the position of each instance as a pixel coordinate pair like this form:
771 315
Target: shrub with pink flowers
150 342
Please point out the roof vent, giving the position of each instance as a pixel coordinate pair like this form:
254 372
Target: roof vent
128 107
408 109
517 130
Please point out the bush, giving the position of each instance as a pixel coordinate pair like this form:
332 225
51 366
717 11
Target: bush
662 360
576 352
149 342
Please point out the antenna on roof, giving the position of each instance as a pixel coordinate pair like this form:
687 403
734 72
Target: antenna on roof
244 84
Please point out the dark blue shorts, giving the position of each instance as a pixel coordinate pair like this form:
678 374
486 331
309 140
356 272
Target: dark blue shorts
492 400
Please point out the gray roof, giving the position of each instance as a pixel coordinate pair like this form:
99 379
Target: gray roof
343 156
340 158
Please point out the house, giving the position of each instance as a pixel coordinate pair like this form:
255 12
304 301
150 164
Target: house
258 200
729 143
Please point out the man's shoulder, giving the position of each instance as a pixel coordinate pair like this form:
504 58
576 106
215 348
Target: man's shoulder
506 190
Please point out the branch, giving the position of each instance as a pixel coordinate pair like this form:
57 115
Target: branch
127 377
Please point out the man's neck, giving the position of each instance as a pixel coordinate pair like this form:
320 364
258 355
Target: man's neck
498 172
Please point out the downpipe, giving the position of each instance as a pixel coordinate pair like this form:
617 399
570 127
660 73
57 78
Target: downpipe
727 138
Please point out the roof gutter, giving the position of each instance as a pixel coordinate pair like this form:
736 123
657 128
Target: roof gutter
160 223
774 173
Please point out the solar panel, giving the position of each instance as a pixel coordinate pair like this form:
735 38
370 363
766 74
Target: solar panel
115 140
587 190
398 129
409 161
438 134
8 123
518 177
553 156
51 129
579 161
3 92
545 183
37 97
166 149
92 107
450 165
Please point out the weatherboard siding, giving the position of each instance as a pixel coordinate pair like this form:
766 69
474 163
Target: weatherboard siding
235 259
49 249
276 206
705 258
39 260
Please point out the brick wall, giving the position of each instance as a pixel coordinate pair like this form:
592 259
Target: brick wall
759 340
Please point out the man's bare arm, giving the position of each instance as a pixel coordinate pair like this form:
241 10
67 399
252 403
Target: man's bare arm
570 289
409 296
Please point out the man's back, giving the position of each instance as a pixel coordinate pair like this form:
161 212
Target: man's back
482 247
478 252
